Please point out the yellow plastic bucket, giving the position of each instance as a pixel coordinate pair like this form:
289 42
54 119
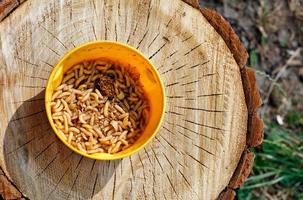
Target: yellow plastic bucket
126 56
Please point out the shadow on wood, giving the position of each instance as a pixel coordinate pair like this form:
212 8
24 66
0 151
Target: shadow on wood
38 162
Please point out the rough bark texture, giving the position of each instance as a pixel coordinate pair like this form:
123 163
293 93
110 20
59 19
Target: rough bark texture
227 194
205 129
6 6
255 125
7 189
242 171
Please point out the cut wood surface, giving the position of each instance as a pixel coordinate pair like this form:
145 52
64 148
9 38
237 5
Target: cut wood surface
200 151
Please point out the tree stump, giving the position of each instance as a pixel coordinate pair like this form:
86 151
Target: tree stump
201 151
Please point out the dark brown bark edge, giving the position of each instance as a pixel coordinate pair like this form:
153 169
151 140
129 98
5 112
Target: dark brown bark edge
8 189
6 7
252 97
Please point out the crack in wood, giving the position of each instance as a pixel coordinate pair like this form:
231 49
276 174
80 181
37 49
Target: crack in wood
79 162
191 50
142 39
30 140
105 22
53 35
32 128
69 155
200 64
121 168
93 165
160 142
189 83
175 97
183 77
168 130
172 84
172 146
28 101
210 95
186 181
94 7
27 116
131 187
195 159
204 150
108 165
178 68
131 166
57 183
175 62
47 63
157 159
94 31
173 112
153 188
207 75
189 91
36 77
154 39
148 14
133 33
144 192
187 38
169 22
185 128
47 166
55 52
116 34
144 176
188 184
200 109
27 86
172 186
168 160
26 61
119 8
114 187
171 69
147 155
74 182
41 152
183 134
172 54
47 131
94 186
181 164
154 54
203 125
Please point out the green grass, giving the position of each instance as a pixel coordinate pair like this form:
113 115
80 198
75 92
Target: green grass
253 58
278 166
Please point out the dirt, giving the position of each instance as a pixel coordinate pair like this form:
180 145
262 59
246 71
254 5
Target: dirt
105 85
272 32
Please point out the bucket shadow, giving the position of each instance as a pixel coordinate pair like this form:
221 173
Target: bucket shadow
41 166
